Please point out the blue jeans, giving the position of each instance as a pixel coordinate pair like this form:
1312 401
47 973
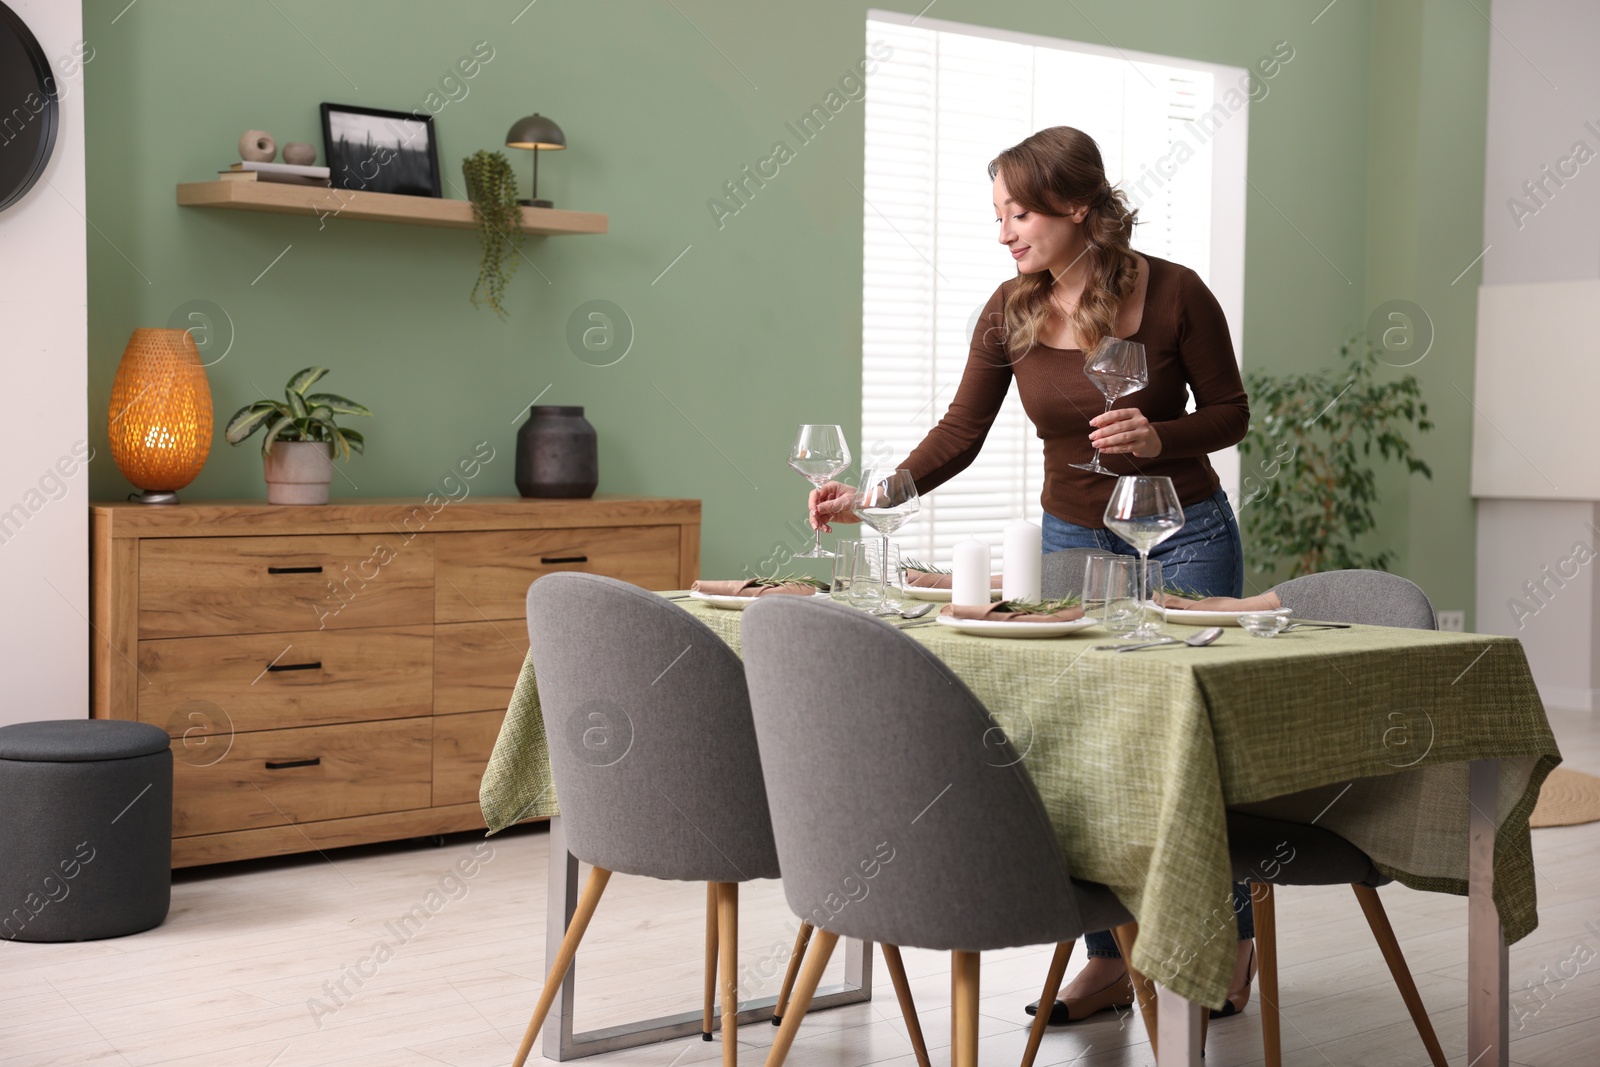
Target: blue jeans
1205 557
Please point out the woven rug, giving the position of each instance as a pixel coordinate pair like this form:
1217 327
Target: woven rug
1567 799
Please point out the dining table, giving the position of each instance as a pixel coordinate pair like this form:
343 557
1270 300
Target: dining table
1426 749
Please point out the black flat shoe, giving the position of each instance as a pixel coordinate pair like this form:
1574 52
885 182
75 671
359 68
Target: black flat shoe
1116 994
1229 1007
1060 1014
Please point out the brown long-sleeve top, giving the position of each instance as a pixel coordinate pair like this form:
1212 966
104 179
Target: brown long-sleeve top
1187 346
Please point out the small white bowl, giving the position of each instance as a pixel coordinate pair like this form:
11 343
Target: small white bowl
1263 624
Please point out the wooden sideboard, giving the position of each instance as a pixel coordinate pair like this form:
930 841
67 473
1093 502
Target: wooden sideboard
337 675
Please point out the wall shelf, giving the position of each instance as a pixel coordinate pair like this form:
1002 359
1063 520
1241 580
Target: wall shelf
280 198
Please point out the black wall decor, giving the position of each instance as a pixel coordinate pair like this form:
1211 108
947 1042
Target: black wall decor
29 111
380 151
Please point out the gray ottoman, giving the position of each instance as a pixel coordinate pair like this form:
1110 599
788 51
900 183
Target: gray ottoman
85 829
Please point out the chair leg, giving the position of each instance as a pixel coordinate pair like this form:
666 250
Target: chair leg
801 940
708 1015
908 1008
728 943
963 1009
1267 971
1144 990
598 877
804 990
1378 919
1047 999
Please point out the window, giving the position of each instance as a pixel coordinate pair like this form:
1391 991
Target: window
945 102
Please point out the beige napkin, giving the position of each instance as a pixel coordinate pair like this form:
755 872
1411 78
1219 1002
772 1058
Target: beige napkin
997 613
750 588
1267 601
929 580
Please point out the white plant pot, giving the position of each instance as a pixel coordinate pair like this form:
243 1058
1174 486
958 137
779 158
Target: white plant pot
298 472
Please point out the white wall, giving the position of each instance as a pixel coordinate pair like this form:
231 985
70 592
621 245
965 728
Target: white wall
1534 438
1536 582
44 558
1542 91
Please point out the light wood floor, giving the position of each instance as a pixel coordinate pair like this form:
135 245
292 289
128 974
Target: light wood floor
235 976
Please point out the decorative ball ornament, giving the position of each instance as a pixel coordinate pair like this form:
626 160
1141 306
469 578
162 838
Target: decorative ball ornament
160 417
257 146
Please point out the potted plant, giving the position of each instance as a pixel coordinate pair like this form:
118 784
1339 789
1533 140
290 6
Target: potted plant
301 436
1309 481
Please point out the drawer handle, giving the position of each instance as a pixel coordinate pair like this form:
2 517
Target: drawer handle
284 764
314 665
563 559
294 570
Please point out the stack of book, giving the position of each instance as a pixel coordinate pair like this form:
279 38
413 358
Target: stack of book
289 173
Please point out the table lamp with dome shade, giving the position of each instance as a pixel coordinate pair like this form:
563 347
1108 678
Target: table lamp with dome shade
536 132
160 417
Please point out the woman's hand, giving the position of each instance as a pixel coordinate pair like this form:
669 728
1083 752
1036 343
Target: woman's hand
1125 430
831 504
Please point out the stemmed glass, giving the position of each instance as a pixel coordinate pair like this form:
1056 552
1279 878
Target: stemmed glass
1117 368
819 453
1144 511
886 501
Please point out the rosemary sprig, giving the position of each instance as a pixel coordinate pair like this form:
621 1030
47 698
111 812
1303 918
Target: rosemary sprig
922 568
791 579
1039 607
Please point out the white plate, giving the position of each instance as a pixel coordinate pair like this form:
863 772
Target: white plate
941 596
735 603
1218 618
1007 628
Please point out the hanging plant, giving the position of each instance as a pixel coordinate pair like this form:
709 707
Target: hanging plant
492 188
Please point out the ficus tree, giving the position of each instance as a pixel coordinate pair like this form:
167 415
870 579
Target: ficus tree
1309 479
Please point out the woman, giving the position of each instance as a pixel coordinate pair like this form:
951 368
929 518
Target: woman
1078 281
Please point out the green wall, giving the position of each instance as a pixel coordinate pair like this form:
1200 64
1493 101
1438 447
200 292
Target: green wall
757 326
1425 230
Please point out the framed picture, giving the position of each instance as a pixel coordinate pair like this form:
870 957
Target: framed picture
380 151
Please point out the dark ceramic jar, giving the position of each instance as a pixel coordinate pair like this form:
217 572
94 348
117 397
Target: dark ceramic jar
558 454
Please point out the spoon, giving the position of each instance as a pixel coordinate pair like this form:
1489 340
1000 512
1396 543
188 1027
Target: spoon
1196 640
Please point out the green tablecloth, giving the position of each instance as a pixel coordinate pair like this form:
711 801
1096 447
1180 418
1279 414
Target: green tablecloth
1137 754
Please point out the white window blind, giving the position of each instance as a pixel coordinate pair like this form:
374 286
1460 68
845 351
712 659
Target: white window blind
938 110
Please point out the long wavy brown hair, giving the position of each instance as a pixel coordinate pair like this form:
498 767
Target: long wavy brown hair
1051 173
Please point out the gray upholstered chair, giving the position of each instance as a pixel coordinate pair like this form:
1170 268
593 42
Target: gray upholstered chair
655 764
900 810
1368 598
1061 573
1258 842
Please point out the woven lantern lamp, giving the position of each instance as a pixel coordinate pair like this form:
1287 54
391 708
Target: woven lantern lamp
160 419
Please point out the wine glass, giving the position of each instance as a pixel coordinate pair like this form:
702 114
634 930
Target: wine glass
820 453
1117 368
886 501
1144 511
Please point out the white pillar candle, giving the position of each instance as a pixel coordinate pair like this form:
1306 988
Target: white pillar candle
1022 560
969 574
